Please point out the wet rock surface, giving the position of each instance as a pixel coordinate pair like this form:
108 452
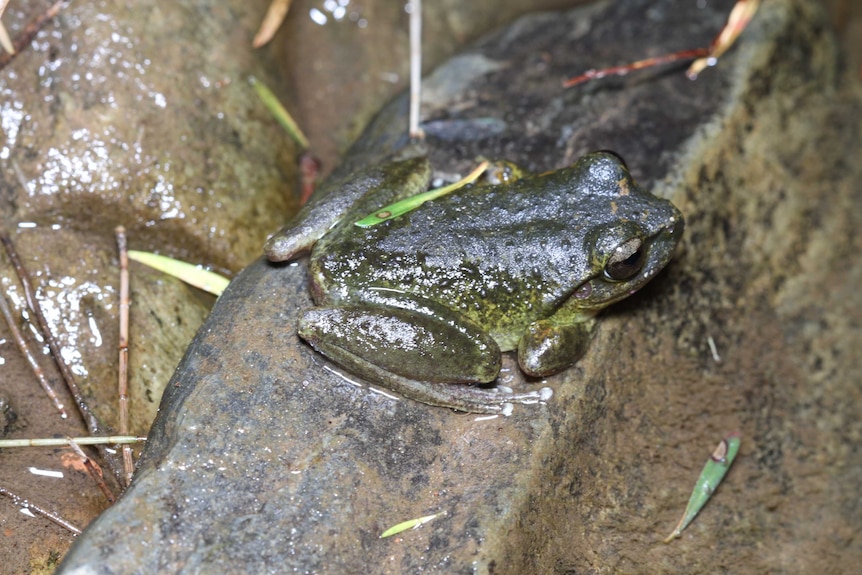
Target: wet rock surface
342 73
120 114
265 458
109 122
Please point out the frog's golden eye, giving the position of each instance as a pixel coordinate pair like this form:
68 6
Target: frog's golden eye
626 260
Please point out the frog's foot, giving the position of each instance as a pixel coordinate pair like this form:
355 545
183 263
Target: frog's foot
422 357
472 399
551 345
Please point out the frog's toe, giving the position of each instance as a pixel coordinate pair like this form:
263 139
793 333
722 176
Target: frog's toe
548 346
286 244
278 248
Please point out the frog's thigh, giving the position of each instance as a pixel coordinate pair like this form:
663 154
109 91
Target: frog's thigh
368 340
550 345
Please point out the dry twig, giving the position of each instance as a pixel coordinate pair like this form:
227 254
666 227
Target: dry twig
21 502
123 383
62 442
28 355
741 14
94 470
30 31
94 426
639 65
415 67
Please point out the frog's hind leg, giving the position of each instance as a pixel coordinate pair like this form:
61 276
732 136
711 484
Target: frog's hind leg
418 356
461 397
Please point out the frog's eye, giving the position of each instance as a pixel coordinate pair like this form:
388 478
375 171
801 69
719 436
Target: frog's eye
626 260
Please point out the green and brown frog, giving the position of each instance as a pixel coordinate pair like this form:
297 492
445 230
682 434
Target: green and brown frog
429 300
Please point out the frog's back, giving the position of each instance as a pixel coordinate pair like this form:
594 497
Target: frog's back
502 255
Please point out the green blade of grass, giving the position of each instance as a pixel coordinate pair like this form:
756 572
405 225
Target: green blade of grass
281 114
409 204
200 278
409 524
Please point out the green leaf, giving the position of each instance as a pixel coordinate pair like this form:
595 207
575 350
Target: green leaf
409 204
712 474
191 274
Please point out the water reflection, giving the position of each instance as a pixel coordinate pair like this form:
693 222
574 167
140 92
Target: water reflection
12 115
336 11
67 303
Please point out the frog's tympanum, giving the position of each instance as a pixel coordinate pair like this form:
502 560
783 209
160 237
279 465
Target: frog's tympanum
430 299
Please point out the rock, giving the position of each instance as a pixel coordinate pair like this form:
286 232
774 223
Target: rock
267 459
123 114
109 122
362 57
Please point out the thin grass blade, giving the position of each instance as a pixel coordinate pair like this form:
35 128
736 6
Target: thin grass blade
409 524
275 107
200 278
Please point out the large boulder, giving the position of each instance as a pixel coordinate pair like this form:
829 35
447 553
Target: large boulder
266 458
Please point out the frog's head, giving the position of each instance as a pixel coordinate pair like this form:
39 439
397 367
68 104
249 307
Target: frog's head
631 243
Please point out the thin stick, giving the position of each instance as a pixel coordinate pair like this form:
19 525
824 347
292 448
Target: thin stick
28 355
26 36
123 384
94 426
640 64
415 67
63 441
21 502
94 470
740 15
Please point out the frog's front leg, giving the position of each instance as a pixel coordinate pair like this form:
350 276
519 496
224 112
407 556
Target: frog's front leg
357 194
551 345
418 355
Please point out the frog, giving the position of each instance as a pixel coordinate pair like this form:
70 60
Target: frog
425 304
